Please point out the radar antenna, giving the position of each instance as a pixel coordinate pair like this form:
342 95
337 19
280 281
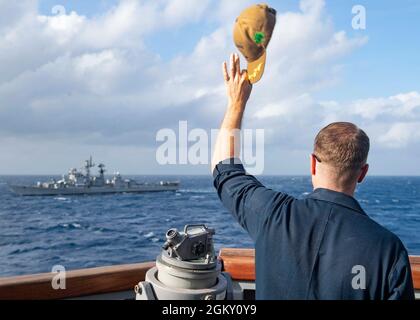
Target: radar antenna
102 170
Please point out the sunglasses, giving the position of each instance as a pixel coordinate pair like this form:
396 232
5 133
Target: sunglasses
316 157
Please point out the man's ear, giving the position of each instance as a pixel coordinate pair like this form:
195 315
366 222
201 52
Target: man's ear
363 173
313 164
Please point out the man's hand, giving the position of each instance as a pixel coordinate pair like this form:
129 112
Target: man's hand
237 85
238 90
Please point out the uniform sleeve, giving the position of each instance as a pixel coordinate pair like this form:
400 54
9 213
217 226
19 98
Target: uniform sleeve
400 279
245 197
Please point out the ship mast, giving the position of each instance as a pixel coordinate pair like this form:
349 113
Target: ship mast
88 164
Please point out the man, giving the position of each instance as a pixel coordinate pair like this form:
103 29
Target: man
320 247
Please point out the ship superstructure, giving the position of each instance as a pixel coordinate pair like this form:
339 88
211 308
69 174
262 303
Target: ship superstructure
83 182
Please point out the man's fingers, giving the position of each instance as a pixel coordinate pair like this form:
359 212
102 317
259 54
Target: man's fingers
244 74
225 72
237 65
235 68
232 66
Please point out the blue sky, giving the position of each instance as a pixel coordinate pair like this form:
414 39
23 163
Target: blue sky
388 64
106 76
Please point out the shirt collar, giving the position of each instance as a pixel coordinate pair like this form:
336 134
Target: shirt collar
339 198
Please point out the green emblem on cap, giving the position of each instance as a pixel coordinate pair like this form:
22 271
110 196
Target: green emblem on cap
259 37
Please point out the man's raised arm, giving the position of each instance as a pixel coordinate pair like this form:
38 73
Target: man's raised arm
238 90
242 194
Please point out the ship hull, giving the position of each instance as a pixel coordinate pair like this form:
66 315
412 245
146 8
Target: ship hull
36 191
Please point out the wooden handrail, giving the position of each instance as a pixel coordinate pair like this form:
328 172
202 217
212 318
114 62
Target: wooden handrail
240 263
415 271
85 282
79 283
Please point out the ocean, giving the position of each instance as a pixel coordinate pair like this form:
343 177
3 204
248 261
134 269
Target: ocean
37 233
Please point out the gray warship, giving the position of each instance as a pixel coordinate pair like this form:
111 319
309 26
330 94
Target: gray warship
78 182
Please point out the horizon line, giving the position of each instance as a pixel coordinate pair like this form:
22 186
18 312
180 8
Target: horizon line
203 175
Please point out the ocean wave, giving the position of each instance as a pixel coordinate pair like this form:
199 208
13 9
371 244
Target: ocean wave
149 235
68 226
61 198
38 232
99 229
25 250
210 190
197 197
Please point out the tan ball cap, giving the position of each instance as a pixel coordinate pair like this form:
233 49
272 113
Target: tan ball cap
251 34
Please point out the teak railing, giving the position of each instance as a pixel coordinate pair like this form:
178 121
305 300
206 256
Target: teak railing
79 283
95 281
240 264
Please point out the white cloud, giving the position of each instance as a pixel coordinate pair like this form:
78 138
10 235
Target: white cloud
64 28
93 80
391 122
400 106
394 121
400 134
177 12
287 109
